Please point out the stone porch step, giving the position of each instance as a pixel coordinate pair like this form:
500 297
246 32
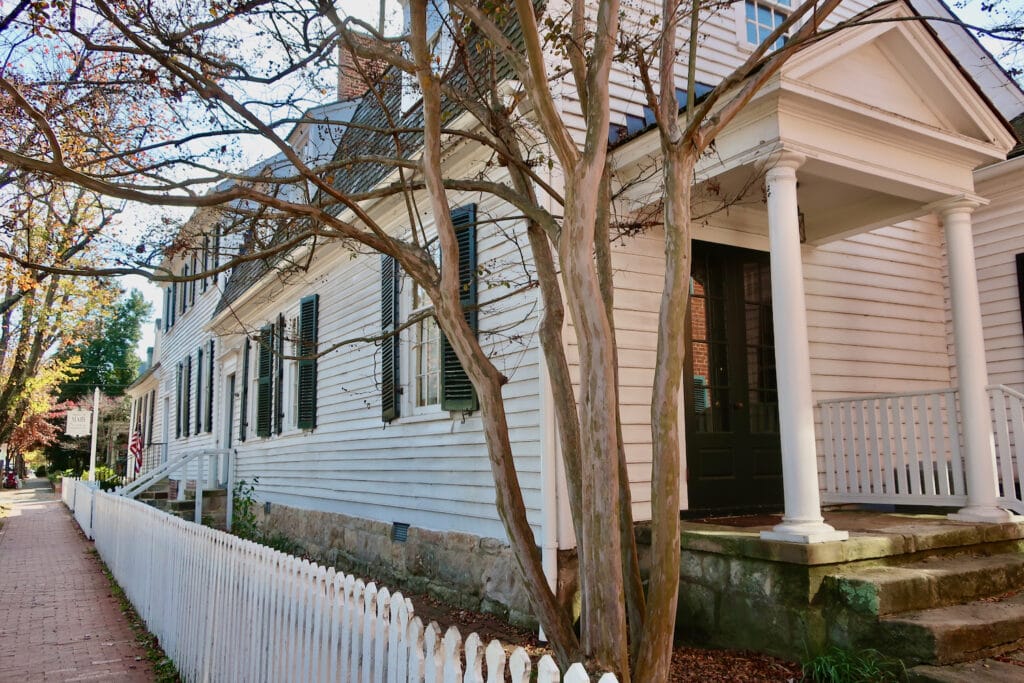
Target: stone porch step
956 633
981 671
926 584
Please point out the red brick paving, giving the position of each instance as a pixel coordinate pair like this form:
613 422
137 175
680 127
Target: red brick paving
58 619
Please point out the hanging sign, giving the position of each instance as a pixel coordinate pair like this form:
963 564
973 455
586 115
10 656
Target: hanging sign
79 423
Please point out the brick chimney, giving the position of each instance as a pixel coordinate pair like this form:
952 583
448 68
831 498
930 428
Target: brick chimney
351 83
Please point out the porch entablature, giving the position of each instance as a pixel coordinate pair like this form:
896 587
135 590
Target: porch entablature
887 122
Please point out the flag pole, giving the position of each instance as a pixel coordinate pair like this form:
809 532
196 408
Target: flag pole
129 462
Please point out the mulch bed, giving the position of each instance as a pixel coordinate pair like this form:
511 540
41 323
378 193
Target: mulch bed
689 664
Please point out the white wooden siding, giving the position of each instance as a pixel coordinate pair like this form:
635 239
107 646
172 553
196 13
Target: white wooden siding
429 469
722 49
998 238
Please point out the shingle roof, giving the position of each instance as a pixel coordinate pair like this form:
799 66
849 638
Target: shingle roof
1018 126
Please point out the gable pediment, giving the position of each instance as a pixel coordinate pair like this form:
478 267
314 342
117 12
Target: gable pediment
895 66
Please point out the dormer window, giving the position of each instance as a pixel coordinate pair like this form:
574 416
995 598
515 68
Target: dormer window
440 38
761 17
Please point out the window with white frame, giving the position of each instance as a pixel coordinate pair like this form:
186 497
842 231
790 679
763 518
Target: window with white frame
425 353
761 17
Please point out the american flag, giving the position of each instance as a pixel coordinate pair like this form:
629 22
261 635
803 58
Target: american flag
135 450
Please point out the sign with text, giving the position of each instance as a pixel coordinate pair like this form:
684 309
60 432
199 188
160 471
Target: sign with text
79 423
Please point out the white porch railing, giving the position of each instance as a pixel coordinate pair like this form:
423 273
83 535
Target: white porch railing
207 469
226 609
1008 420
898 449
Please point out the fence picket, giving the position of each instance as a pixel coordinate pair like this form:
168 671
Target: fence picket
520 666
547 671
416 662
369 611
452 646
380 634
495 662
576 674
433 670
474 651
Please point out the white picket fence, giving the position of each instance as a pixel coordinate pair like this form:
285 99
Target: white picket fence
78 495
226 609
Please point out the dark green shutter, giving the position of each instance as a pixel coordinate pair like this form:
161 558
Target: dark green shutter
178 401
209 393
457 391
174 302
243 408
265 381
184 290
206 259
309 313
186 397
199 391
279 389
390 379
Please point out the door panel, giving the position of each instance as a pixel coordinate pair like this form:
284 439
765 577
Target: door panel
733 453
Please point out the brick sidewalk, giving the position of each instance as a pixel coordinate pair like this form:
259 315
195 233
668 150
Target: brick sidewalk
58 620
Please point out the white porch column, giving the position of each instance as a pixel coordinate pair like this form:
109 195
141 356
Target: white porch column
971 370
802 521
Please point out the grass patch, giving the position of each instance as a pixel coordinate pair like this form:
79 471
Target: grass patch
164 670
836 665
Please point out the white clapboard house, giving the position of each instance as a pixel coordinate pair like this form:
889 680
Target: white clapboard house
839 330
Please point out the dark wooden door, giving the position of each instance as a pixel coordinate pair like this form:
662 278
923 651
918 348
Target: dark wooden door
732 426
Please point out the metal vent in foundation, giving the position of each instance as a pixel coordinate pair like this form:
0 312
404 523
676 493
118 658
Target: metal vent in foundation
399 532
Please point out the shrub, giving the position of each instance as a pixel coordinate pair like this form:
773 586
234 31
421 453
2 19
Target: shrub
243 518
107 478
41 471
836 665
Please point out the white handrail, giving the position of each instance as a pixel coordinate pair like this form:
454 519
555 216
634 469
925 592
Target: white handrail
878 397
208 457
1005 389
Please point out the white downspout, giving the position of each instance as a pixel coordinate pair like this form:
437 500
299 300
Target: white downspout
549 475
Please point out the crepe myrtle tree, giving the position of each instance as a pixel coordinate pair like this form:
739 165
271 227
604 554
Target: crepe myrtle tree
208 78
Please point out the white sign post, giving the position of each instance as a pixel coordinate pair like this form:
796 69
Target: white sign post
95 424
83 423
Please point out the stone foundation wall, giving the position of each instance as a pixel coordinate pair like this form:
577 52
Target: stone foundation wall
466 571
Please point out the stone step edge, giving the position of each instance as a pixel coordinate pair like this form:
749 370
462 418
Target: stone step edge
887 590
957 633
